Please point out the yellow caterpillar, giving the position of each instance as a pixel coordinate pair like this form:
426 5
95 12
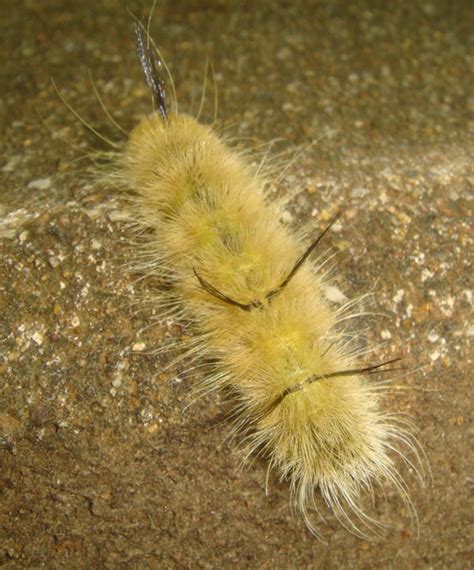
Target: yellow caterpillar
257 307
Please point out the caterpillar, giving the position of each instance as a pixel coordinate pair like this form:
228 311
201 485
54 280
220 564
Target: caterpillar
255 300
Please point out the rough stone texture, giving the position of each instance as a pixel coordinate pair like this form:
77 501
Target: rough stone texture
101 463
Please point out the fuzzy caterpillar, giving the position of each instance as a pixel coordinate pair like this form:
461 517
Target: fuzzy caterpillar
258 310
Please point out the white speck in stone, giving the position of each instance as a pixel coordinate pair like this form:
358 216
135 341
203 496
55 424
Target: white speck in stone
334 294
419 258
329 132
433 336
39 184
284 53
123 364
446 305
117 382
38 338
138 346
53 262
12 164
398 296
434 356
359 192
288 107
386 335
116 216
426 274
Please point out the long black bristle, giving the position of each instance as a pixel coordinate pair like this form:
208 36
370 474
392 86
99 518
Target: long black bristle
151 65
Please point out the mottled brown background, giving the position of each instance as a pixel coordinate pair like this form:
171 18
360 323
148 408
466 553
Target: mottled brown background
101 464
